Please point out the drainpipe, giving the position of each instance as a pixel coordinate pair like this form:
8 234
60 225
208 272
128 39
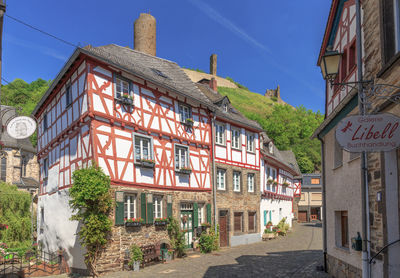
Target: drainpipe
214 188
364 166
324 239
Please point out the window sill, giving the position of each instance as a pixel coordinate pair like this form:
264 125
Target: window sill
221 190
353 159
389 65
126 101
219 144
251 152
182 171
144 164
236 149
337 167
343 249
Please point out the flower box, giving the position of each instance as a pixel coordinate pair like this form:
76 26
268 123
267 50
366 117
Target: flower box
185 171
160 221
268 236
133 224
147 163
125 100
189 122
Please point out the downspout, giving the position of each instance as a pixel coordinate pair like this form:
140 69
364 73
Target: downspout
364 167
324 239
214 189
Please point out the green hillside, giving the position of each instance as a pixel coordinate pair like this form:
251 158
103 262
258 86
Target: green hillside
289 128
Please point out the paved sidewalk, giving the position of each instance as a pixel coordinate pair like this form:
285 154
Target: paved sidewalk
296 255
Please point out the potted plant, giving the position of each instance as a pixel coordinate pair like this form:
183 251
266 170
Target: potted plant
269 225
126 99
169 255
275 183
136 257
134 222
270 181
189 122
162 221
285 183
185 170
147 162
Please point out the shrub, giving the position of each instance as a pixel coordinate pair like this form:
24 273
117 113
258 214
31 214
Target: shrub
206 243
136 254
274 99
176 237
91 202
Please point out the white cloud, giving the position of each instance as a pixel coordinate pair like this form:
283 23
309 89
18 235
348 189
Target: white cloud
30 45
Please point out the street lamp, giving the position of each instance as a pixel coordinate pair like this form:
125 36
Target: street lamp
330 64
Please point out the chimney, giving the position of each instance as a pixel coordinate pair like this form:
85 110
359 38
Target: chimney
145 34
213 84
213 64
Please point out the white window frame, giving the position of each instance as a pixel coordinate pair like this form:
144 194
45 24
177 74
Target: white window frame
221 176
250 182
236 138
185 112
220 133
68 96
119 81
157 206
236 181
200 215
129 200
179 148
250 138
142 138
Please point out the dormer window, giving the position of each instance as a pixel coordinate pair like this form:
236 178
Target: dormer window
225 107
270 148
185 112
121 87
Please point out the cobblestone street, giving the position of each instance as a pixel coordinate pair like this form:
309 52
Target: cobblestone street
296 255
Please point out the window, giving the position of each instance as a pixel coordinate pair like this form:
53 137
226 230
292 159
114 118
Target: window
352 56
41 220
314 180
181 157
68 96
250 182
250 142
236 181
354 155
185 112
221 185
238 222
121 87
267 177
201 215
45 123
157 207
338 156
303 197
24 164
252 221
225 107
343 65
342 229
316 196
283 189
235 138
45 167
129 206
391 28
3 168
143 148
270 148
220 134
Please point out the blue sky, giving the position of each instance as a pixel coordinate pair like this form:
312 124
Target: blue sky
259 43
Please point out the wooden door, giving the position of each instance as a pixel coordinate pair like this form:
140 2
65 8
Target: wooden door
223 229
302 216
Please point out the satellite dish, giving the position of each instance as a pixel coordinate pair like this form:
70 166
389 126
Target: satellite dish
21 127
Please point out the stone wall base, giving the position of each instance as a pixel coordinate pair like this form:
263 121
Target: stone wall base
340 269
245 239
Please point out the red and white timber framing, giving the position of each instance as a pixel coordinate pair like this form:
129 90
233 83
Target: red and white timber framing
345 42
96 127
224 153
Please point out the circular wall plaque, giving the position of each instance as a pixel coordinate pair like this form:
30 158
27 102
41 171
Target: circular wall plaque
21 127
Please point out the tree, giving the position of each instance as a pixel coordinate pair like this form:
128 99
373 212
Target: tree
91 202
15 212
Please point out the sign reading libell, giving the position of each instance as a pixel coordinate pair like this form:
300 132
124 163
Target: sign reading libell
370 133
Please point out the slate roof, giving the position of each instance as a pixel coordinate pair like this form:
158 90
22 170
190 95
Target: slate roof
27 182
161 72
232 114
6 114
290 159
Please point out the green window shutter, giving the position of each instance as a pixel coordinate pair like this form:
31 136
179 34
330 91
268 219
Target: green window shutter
169 209
143 206
150 213
209 213
119 211
195 215
265 218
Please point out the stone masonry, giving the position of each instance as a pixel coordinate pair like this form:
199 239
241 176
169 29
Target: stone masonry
242 201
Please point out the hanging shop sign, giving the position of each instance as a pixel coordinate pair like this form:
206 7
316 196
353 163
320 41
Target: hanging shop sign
370 133
21 127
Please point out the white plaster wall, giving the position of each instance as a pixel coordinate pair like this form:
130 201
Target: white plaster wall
274 206
343 193
58 230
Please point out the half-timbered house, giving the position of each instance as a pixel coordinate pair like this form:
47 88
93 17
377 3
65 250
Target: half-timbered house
280 181
146 124
236 169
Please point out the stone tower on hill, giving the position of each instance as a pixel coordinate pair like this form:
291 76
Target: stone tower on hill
274 93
